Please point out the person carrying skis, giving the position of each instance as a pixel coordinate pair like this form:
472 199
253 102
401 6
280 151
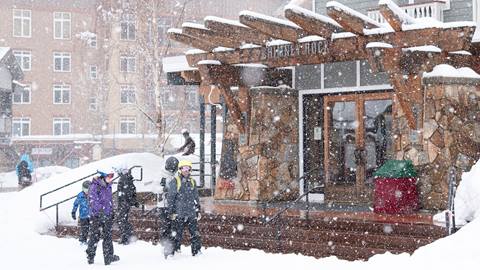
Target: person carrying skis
101 216
81 203
184 206
127 197
167 239
189 146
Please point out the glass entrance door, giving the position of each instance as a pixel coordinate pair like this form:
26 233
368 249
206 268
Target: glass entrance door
357 141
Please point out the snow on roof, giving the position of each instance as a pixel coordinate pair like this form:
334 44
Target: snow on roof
253 65
311 14
224 21
3 51
277 42
174 30
222 49
263 17
209 62
339 7
378 45
343 35
311 38
194 25
249 46
404 17
194 51
445 70
175 64
427 48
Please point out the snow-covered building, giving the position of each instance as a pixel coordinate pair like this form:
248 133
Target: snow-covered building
364 92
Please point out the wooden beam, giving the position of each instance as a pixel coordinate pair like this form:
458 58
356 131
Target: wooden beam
235 30
349 19
178 36
199 32
394 15
346 49
403 93
311 22
274 27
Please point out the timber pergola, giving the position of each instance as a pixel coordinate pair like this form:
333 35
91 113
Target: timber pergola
404 48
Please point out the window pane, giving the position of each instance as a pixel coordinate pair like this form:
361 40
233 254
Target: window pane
66 29
16 129
25 129
26 28
57 129
66 64
58 29
17 27
66 96
26 96
340 74
57 96
58 64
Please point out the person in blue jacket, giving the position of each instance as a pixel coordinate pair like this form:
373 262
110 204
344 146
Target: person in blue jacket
24 170
81 202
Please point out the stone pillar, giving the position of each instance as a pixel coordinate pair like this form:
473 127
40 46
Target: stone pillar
450 136
267 156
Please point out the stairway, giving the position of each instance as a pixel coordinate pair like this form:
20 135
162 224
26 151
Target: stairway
346 238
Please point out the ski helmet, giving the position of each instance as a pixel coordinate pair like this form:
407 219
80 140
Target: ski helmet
171 164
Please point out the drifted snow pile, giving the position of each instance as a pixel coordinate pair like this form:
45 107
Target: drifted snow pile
467 198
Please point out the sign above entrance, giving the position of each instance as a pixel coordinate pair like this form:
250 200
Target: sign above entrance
42 151
294 49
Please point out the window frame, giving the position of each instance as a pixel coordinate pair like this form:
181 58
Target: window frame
62 56
62 121
28 88
62 22
62 87
22 54
128 120
129 89
128 61
21 121
128 20
22 19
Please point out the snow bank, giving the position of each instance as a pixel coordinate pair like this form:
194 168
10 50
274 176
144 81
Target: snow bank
467 198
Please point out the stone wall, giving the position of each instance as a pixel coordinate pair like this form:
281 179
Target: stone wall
450 136
266 159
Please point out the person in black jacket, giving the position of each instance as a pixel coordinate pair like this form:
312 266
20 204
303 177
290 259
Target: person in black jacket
127 197
189 146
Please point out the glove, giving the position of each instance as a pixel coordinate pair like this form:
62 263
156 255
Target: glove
137 204
199 216
173 216
74 216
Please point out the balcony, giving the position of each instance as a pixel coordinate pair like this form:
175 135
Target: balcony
432 9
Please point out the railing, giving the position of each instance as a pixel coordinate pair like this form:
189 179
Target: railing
432 9
73 182
450 213
286 190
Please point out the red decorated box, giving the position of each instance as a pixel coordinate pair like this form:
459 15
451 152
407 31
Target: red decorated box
395 195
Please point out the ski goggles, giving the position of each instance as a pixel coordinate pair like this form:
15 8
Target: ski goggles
185 169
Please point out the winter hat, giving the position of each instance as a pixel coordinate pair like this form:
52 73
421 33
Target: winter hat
184 163
185 131
171 164
86 186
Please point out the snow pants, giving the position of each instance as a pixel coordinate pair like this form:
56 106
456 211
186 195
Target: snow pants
167 240
101 226
84 228
126 228
192 226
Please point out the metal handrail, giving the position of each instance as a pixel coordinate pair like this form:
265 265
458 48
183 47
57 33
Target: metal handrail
450 213
289 205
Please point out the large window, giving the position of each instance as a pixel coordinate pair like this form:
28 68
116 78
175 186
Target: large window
127 94
61 126
62 25
22 23
24 59
62 62
61 94
127 64
127 125
20 127
22 95
127 26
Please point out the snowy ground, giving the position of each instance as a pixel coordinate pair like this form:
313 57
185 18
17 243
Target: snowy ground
23 244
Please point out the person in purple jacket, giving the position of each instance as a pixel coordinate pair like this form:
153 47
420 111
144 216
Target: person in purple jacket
101 217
